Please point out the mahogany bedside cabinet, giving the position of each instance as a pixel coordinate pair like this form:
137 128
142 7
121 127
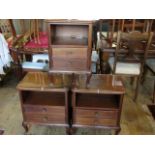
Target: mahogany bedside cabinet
44 99
70 45
99 103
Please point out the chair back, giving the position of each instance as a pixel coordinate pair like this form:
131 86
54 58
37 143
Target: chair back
128 44
7 28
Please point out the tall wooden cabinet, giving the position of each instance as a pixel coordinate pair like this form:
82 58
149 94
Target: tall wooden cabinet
70 45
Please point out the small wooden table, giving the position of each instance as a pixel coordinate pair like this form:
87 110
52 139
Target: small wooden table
98 104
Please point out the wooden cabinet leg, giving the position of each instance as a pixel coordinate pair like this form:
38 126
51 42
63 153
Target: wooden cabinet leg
1 131
25 126
70 131
117 131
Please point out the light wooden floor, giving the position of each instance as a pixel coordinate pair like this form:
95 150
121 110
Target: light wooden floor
135 119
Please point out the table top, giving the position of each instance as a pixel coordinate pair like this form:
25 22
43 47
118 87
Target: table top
98 83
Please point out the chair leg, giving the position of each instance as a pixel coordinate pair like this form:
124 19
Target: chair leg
144 74
132 80
137 88
154 94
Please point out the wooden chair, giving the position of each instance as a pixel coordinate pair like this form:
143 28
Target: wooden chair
106 38
150 63
128 64
142 25
106 33
7 28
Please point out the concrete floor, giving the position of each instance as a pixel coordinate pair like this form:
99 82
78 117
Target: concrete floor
135 119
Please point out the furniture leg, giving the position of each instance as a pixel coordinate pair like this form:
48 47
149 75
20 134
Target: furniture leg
117 131
1 131
72 130
154 94
144 74
132 80
25 126
137 88
69 131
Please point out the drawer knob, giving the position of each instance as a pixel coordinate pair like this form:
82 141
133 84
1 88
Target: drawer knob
44 110
96 114
96 122
45 118
69 52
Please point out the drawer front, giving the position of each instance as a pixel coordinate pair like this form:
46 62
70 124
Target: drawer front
95 117
95 121
70 53
44 110
69 64
96 113
45 118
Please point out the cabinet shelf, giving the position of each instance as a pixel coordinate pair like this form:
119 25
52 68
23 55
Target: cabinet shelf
70 41
43 98
107 102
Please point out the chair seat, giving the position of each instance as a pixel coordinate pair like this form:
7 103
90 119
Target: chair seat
34 65
151 64
40 57
125 68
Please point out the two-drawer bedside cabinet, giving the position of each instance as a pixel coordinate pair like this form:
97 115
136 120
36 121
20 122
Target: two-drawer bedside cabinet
44 99
98 104
70 45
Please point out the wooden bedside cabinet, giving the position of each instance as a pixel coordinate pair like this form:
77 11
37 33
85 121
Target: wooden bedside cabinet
44 99
98 104
70 45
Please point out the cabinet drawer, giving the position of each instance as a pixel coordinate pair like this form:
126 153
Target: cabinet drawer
44 110
96 113
45 118
69 53
69 64
95 117
95 121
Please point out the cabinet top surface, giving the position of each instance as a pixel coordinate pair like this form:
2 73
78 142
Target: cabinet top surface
69 21
62 82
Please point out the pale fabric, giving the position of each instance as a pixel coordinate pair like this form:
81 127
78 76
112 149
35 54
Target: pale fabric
151 63
125 68
101 43
5 58
34 65
37 57
94 59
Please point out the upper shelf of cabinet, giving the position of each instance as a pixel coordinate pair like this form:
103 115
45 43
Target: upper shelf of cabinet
68 35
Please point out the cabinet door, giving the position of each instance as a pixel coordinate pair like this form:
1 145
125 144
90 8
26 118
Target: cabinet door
69 53
69 59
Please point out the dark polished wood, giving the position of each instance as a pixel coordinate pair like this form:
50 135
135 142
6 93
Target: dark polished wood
70 45
98 104
1 131
44 99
